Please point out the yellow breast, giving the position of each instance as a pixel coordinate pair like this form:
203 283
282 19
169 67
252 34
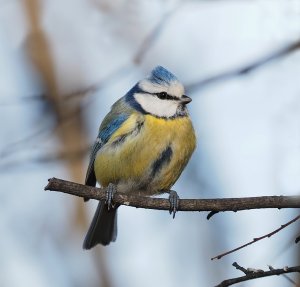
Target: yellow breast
131 160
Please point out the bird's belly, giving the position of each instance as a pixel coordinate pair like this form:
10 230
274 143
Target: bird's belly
149 161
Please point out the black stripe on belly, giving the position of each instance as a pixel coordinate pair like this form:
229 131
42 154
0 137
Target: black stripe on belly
164 158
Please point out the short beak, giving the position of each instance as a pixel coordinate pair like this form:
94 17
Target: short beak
185 99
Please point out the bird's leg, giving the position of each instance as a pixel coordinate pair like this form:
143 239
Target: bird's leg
174 202
110 192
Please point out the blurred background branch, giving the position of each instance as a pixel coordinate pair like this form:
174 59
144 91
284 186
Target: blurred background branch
246 69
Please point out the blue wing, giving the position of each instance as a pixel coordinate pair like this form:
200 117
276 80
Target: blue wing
108 127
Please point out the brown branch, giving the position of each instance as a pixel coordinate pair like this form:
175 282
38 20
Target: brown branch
256 275
279 53
257 239
238 267
219 204
285 276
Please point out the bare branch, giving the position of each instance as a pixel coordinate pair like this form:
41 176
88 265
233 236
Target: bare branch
285 276
256 275
219 204
238 267
257 239
279 53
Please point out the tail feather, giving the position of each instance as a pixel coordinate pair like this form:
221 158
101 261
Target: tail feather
103 228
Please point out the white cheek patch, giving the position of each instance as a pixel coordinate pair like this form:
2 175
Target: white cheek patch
156 106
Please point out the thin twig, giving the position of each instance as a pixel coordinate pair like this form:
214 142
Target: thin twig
256 275
257 239
238 267
219 204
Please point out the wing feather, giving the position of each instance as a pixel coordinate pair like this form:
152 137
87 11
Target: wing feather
114 119
103 136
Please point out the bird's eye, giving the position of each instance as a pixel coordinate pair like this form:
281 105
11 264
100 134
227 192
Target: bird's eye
162 95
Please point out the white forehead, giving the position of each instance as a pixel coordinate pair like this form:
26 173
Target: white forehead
175 88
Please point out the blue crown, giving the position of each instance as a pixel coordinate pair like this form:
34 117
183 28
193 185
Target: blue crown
162 76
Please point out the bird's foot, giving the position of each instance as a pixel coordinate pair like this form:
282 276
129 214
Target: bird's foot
174 202
110 192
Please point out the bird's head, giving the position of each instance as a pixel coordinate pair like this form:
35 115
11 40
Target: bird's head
161 94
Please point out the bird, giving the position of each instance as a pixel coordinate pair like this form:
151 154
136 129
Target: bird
142 147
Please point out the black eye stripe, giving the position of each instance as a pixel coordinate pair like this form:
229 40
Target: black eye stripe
165 96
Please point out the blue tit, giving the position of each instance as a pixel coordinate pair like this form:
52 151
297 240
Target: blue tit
143 145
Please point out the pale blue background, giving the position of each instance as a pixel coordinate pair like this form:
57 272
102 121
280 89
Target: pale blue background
248 131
